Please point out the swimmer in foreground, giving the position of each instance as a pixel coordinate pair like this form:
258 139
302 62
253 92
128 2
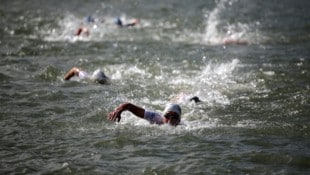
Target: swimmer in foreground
97 76
120 23
171 114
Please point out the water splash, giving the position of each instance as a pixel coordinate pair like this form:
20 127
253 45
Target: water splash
212 84
224 25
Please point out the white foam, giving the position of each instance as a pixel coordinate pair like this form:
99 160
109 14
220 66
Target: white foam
219 30
212 83
125 71
269 73
185 125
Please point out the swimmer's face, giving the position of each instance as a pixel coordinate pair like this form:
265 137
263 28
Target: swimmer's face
172 118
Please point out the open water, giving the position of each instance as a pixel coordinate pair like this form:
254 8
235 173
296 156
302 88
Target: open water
254 118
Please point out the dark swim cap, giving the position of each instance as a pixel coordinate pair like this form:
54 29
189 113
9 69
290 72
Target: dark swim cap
118 21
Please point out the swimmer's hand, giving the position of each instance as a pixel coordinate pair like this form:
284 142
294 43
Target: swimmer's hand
115 115
195 99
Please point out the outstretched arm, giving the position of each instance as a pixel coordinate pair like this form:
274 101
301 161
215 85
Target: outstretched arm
74 71
116 114
132 23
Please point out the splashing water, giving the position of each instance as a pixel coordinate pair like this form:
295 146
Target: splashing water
210 84
224 29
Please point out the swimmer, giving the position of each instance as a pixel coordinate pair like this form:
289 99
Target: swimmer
171 114
90 19
120 23
98 76
82 31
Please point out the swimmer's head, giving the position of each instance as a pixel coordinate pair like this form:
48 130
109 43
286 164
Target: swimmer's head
99 77
118 21
90 19
172 114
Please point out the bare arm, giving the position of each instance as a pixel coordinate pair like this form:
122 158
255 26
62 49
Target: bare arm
74 71
116 114
132 23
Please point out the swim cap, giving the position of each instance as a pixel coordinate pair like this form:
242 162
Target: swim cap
99 77
90 19
173 108
118 21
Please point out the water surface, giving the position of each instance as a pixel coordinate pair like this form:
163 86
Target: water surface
254 118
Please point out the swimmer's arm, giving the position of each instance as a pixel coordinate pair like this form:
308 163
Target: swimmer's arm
116 114
74 71
78 31
134 22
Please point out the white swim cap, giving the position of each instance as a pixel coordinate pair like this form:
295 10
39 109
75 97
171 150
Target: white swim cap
99 77
173 108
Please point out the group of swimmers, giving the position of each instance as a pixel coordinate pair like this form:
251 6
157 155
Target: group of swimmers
171 114
83 30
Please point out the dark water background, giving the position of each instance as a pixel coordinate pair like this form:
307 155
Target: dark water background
254 118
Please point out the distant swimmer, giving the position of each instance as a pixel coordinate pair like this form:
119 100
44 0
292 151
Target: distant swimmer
97 76
90 19
82 31
120 23
171 114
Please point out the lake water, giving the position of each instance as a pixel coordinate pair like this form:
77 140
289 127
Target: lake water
247 60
